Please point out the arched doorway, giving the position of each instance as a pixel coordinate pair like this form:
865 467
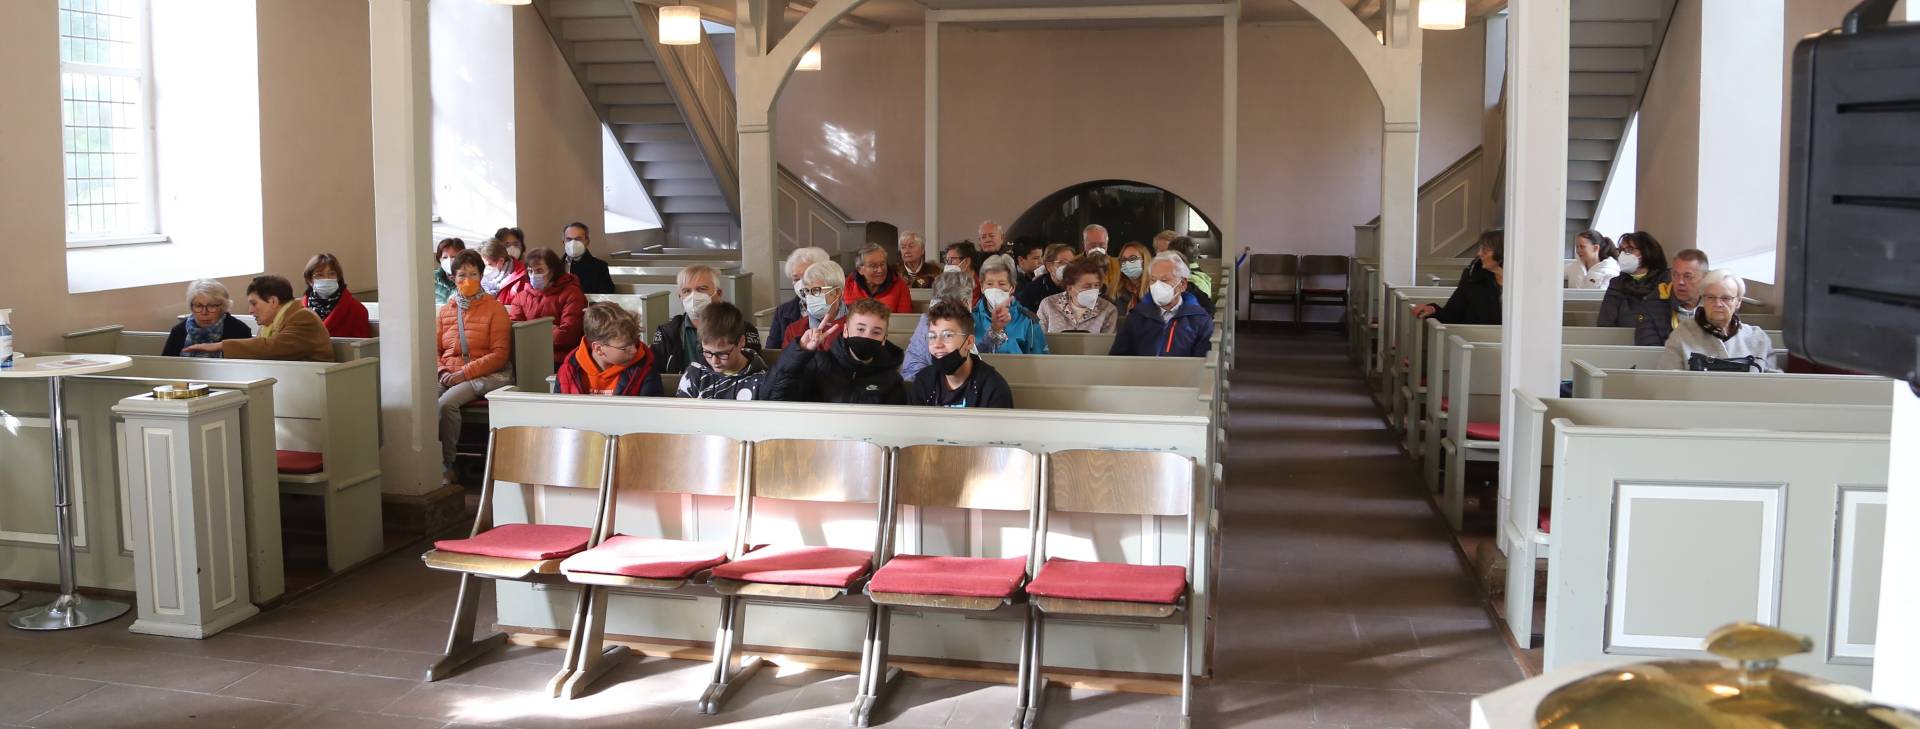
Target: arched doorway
1130 211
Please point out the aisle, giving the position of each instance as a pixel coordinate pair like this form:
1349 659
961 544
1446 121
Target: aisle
1344 602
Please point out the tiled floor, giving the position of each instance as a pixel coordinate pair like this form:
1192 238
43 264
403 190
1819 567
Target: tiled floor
1343 604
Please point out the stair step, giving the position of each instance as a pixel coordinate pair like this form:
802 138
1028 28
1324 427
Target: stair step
1591 150
1616 84
1583 10
1576 226
638 133
645 114
1603 129
1589 171
719 221
671 188
664 152
1584 190
1579 209
611 51
633 94
623 73
1600 107
674 171
587 9
1608 59
1612 35
699 204
597 29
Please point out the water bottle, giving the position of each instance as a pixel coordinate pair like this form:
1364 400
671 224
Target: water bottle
6 339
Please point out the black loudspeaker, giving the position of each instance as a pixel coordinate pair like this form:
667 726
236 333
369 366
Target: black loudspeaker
1853 216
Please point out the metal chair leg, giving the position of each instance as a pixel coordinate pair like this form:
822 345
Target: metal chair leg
1024 682
729 680
1186 667
461 647
594 657
1037 682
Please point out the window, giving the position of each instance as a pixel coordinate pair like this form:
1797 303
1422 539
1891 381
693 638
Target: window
107 120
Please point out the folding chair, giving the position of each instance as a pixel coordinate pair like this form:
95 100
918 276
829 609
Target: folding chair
1274 279
820 471
950 477
1315 289
532 457
645 466
1134 483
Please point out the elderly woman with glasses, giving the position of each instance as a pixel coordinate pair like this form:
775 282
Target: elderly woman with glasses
208 320
1714 338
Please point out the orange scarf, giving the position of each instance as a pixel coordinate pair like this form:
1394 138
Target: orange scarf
599 382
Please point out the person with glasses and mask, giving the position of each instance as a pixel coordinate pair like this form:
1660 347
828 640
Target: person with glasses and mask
957 378
1714 333
728 369
610 359
676 343
1167 322
858 367
873 278
1048 279
544 290
1079 308
1126 282
329 299
514 240
1007 326
822 292
208 320
443 254
592 272
794 309
476 351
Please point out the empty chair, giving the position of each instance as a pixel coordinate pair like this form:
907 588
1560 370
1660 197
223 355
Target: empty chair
1275 279
950 477
819 471
533 458
1323 282
625 559
1133 483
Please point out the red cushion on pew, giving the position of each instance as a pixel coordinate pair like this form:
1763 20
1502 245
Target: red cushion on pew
480 404
299 463
1444 402
1546 520
1483 431
818 566
1074 580
919 574
654 559
521 541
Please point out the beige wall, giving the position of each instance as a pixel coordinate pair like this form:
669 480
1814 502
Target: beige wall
1670 136
557 139
1309 124
316 160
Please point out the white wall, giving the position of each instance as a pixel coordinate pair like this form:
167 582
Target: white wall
1740 126
474 171
628 207
1616 213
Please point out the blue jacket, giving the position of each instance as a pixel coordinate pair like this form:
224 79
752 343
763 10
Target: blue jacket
1142 334
1024 334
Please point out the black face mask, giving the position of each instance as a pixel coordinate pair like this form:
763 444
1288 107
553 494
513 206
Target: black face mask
862 348
950 362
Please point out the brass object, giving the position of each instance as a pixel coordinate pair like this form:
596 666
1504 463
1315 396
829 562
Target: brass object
181 391
1748 693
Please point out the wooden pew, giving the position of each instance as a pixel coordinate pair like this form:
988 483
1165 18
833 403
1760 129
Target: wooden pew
1591 381
1760 511
939 636
651 308
112 339
737 286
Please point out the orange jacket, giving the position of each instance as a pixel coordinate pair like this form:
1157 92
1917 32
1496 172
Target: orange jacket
489 338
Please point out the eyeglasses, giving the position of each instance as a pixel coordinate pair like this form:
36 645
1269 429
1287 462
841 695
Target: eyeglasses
949 337
1712 299
625 348
955 260
819 291
197 306
1130 259
725 354
881 266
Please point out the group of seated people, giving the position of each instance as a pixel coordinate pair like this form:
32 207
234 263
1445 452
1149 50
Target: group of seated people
1683 305
291 327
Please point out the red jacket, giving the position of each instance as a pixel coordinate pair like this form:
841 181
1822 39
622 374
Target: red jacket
894 293
348 318
799 327
561 299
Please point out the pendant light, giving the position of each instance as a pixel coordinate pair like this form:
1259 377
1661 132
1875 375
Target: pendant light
1443 14
680 25
810 61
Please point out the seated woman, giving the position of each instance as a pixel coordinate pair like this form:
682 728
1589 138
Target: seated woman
954 286
1006 327
1127 284
443 273
874 278
329 299
822 289
476 351
208 320
1643 269
287 330
1477 299
515 243
1593 265
1079 308
1715 333
500 268
547 290
1049 279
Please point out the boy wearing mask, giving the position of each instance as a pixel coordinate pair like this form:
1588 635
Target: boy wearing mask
858 367
957 378
727 368
610 359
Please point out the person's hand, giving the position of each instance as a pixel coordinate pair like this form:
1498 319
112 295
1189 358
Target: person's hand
812 338
449 379
1424 311
208 347
1001 317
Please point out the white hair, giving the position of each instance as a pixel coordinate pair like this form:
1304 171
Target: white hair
998 262
208 287
824 273
913 235
953 286
687 274
1090 229
1720 275
1179 262
810 255
872 248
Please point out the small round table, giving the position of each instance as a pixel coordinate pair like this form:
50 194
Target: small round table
69 609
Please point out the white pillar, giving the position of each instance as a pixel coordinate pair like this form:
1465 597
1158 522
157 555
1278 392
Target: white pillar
1399 199
1229 138
759 188
931 225
1538 35
402 195
1896 659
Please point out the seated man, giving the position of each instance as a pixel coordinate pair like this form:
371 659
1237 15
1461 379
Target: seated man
1202 287
798 262
861 368
677 342
957 378
727 369
287 330
1167 322
873 278
610 359
1671 303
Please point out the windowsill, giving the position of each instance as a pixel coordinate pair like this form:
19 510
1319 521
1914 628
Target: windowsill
125 240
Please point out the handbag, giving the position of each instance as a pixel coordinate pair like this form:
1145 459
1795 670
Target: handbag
1698 362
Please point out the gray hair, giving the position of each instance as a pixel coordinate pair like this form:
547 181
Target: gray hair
209 287
824 273
1090 229
913 235
1179 262
953 286
811 255
999 262
1720 275
872 248
698 269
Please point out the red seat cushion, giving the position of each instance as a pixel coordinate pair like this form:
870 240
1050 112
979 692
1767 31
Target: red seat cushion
1444 402
918 574
1074 580
654 559
1483 431
818 566
480 404
521 541
299 463
1546 520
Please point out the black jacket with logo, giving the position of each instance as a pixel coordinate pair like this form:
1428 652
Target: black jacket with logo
834 376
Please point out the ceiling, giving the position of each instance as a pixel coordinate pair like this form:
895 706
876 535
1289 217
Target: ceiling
913 12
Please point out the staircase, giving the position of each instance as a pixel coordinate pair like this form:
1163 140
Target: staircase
1615 43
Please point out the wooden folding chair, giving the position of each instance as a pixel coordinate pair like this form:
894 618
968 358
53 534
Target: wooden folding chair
534 458
1134 483
645 466
822 471
950 477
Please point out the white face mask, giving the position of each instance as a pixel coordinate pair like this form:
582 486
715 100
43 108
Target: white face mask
446 266
796 287
1087 299
1059 272
695 303
1163 293
816 306
1628 262
1131 269
537 281
952 268
490 280
325 288
514 251
575 248
996 298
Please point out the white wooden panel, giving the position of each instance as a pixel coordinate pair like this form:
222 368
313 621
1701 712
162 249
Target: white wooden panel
1730 572
1857 564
